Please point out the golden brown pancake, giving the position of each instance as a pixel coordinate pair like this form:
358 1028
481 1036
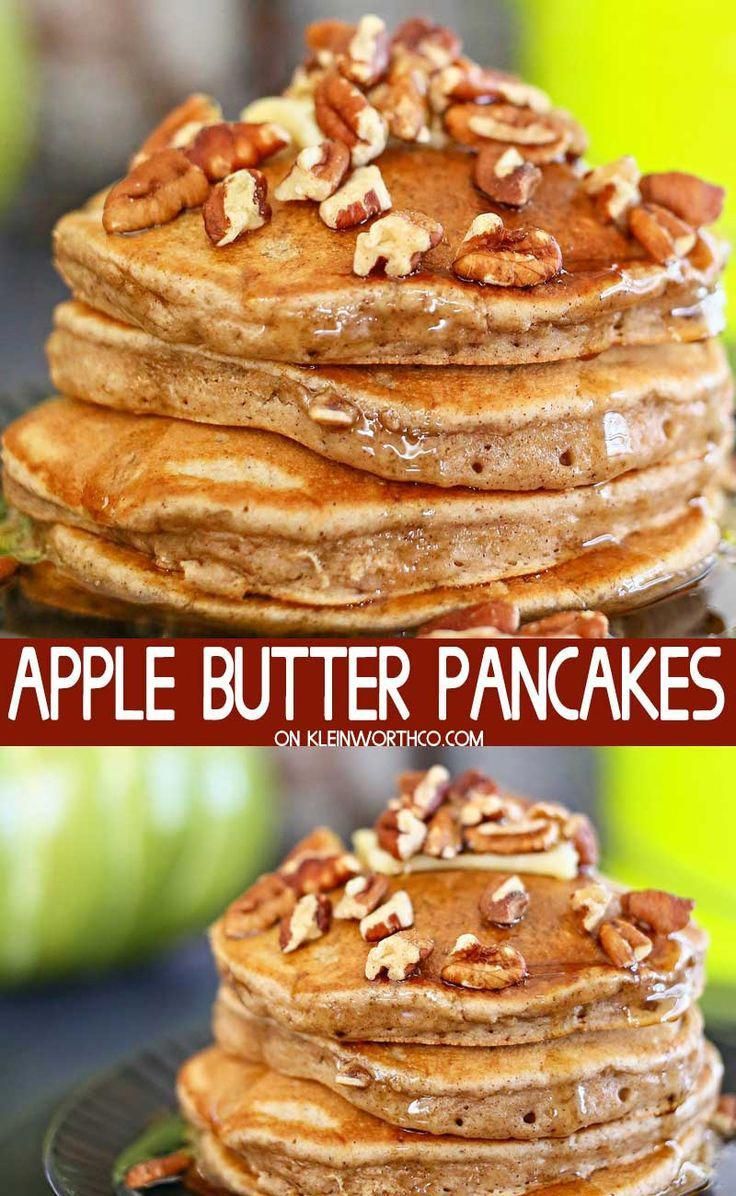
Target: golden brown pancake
616 577
572 985
238 512
298 1136
544 426
523 1092
286 292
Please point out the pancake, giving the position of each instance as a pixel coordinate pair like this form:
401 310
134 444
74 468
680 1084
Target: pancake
238 512
548 426
322 989
614 577
297 1136
521 1092
287 292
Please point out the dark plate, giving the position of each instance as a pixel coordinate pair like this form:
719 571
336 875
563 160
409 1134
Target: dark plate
101 1118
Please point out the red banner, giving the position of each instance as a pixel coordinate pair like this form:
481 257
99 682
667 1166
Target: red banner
465 693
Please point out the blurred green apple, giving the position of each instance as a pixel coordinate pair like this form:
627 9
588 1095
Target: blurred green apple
108 853
17 97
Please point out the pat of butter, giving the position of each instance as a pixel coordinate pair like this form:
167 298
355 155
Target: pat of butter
560 862
295 114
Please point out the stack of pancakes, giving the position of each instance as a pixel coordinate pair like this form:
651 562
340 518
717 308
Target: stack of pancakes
253 434
557 1067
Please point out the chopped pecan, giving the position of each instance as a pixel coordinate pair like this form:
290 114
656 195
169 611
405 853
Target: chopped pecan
444 837
292 113
398 243
505 177
154 192
516 838
692 199
316 174
344 114
260 907
353 1076
482 807
422 38
569 624
363 195
327 40
395 914
402 100
664 236
467 82
504 904
424 792
623 943
365 59
321 874
362 895
236 206
401 833
723 1120
472 964
662 912
469 783
615 188
540 135
494 255
222 149
489 618
579 830
331 412
593 902
397 957
320 842
160 1170
180 126
309 920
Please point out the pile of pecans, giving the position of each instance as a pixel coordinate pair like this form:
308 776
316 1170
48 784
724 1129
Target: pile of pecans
360 87
500 620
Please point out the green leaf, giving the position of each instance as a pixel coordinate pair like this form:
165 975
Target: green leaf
18 536
164 1136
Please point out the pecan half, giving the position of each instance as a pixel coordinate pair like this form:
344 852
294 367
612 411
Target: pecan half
569 624
692 199
482 807
260 907
309 920
593 902
425 792
327 40
322 841
316 174
516 838
664 236
397 957
467 82
344 114
363 195
395 914
504 904
362 895
542 138
156 1171
723 1120
495 618
436 44
236 206
365 59
472 964
624 944
321 874
331 412
444 837
494 255
505 177
662 912
401 833
180 126
579 831
615 188
402 100
154 192
398 243
220 150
